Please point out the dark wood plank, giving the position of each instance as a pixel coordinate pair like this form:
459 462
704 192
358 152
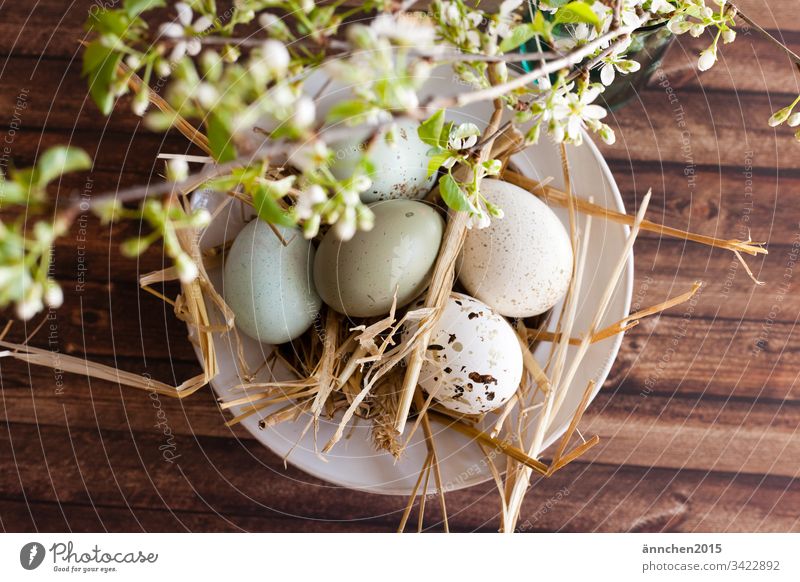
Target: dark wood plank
41 517
114 320
723 358
696 433
241 482
710 129
750 64
654 418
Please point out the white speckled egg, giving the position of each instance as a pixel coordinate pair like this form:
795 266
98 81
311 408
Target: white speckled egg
401 167
268 285
359 277
520 265
474 361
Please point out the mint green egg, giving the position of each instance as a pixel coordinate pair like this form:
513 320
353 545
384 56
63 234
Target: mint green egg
269 286
360 277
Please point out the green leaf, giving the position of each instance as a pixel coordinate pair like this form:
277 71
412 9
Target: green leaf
100 81
114 22
577 12
134 8
12 192
436 160
219 139
453 195
268 208
93 56
60 160
237 177
521 34
133 247
279 188
430 130
351 111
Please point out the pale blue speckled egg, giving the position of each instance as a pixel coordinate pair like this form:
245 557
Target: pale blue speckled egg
401 167
268 285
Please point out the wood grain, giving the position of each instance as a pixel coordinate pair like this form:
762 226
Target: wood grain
697 419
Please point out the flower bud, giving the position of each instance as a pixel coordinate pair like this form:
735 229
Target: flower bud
133 61
31 304
140 102
187 270
276 56
133 247
794 120
163 68
780 116
311 226
211 65
365 218
305 113
177 170
679 26
200 218
607 134
707 59
206 95
53 295
345 227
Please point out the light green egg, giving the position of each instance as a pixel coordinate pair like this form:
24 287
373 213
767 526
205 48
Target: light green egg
268 285
359 277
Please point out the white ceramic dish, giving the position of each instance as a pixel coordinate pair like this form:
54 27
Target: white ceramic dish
354 463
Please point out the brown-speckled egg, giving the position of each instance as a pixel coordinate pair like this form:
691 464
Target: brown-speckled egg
474 361
401 165
521 264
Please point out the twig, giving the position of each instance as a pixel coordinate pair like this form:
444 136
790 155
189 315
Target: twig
495 91
765 34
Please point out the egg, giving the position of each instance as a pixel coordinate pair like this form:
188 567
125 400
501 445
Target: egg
520 265
268 285
359 277
401 166
474 362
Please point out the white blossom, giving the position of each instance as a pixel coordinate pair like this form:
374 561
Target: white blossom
617 62
661 6
308 199
463 136
574 112
185 30
404 30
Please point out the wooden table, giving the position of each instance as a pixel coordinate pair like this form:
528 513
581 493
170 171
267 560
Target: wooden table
697 421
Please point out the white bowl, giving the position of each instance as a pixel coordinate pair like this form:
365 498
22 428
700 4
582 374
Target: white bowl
354 462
